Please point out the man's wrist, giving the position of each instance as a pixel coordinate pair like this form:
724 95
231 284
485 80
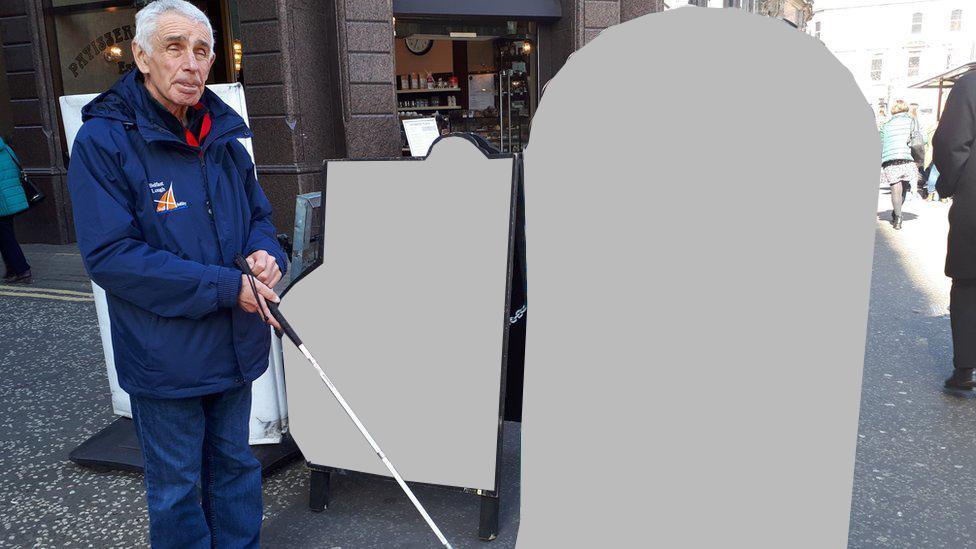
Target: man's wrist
280 260
228 286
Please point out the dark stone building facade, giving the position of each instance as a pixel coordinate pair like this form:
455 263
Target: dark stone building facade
319 79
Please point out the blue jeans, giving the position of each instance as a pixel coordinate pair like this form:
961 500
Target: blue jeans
203 484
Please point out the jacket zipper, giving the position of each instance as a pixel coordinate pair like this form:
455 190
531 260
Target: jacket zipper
206 189
213 221
213 225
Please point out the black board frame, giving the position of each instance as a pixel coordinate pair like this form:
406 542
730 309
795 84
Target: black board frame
320 474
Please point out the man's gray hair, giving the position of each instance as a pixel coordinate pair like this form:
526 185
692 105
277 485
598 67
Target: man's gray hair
147 17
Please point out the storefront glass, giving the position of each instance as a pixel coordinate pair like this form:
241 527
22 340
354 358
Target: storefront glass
94 47
471 77
94 42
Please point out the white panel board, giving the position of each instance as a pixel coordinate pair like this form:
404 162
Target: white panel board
407 316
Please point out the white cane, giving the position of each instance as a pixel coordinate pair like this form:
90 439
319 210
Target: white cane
287 329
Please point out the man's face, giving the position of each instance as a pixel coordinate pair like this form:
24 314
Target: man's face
177 70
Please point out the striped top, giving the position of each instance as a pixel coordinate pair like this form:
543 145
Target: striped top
895 135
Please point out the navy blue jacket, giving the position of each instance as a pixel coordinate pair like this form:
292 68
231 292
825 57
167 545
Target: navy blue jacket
158 224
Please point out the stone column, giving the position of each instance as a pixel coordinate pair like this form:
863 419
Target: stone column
629 9
290 76
367 67
581 22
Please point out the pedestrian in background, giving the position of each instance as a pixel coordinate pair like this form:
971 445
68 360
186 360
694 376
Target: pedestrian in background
931 177
898 169
953 152
13 200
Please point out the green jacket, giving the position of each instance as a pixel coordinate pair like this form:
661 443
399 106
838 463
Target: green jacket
895 135
12 197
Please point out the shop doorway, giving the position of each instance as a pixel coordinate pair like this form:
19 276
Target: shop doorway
91 41
479 79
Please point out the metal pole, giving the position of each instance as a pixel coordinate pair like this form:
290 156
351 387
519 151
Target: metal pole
938 109
293 336
509 92
501 112
538 69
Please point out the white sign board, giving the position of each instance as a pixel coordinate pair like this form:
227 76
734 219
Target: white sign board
269 408
421 133
408 318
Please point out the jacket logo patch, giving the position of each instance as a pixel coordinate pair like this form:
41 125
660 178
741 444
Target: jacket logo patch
167 202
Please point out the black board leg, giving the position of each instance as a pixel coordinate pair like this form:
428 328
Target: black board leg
488 526
318 490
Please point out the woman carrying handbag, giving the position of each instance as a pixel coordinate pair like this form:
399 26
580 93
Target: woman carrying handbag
898 169
13 200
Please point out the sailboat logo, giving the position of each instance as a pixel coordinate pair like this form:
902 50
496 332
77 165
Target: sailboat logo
167 202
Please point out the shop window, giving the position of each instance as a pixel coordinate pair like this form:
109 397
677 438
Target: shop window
476 77
916 23
955 20
93 42
876 66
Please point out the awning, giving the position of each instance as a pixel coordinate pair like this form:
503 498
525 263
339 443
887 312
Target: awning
532 10
946 79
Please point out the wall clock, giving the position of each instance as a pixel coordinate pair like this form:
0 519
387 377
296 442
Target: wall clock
419 46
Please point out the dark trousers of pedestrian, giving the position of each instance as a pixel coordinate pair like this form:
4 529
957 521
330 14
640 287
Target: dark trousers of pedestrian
898 193
962 316
13 256
203 484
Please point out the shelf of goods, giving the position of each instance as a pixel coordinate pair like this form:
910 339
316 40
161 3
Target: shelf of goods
431 90
434 108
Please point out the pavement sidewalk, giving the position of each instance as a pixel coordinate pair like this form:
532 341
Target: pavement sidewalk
915 471
56 395
56 267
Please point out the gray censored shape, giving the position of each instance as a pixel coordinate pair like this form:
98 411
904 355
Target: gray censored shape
698 286
406 316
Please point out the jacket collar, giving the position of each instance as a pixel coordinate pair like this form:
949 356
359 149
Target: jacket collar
126 101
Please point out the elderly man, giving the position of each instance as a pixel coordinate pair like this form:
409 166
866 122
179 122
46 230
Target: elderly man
953 152
164 198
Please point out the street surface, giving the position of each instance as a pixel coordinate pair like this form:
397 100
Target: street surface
55 394
915 477
914 482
